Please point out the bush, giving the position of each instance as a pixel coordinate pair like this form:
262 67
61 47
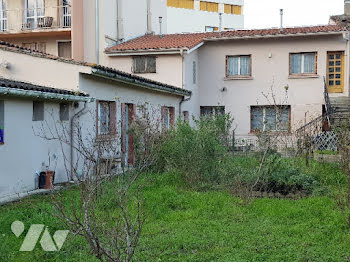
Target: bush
197 153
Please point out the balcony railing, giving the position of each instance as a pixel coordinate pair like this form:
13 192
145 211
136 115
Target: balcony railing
46 18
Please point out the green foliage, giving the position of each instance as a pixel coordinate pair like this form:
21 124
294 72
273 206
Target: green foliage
197 153
326 152
186 225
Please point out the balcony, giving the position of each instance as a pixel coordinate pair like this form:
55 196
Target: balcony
38 20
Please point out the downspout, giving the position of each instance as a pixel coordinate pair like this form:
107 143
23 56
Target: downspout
97 32
78 114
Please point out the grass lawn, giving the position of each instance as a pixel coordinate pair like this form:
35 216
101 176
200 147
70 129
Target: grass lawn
186 225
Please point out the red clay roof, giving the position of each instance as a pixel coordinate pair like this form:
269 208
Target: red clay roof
176 41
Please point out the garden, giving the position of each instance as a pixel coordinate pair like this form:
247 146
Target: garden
192 198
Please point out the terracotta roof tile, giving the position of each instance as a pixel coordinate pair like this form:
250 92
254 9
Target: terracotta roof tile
176 41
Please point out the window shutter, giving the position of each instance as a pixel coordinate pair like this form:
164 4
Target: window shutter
151 65
97 117
172 115
228 9
132 112
163 116
123 137
112 119
237 10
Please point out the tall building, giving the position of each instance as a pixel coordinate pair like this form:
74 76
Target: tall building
43 25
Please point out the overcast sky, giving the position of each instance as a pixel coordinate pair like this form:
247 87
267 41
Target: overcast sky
265 14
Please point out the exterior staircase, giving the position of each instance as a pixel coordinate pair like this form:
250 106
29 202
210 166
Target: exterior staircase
340 108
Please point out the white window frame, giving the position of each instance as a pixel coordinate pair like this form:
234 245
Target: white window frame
36 16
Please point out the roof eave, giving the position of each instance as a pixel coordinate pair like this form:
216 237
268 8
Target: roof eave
275 36
143 84
7 91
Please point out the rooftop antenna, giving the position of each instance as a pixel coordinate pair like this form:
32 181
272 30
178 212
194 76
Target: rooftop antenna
220 24
160 26
281 13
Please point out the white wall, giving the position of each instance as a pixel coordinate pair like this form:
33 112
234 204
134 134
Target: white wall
24 151
193 105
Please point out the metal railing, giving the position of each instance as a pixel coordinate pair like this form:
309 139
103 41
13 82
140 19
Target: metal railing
35 19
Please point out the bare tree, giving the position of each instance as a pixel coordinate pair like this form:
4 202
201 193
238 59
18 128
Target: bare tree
106 206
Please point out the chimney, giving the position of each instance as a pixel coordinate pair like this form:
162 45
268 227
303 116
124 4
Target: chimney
149 17
160 27
347 7
281 13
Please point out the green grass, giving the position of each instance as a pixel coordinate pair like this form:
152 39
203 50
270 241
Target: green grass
185 225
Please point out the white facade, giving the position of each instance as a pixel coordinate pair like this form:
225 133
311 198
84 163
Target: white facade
24 150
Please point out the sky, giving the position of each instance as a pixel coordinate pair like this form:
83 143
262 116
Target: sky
266 14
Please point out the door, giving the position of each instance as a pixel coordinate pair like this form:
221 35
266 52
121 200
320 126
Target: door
34 12
335 72
65 49
128 111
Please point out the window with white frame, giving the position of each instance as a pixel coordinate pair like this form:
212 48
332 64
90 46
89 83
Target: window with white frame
303 63
34 12
238 66
168 117
145 64
270 118
3 16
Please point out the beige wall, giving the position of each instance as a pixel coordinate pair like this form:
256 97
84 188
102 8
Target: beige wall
305 95
51 42
41 71
169 68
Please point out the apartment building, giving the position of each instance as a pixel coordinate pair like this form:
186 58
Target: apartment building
42 25
203 16
239 71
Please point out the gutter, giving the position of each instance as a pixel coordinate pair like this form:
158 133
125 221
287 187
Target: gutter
43 95
140 83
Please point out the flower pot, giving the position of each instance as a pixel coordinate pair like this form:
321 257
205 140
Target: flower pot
49 178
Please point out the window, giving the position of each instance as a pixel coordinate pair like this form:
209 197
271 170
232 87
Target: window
3 16
106 118
186 116
64 112
194 72
212 110
233 9
145 64
168 117
303 63
41 47
270 118
2 121
238 66
187 4
211 29
34 12
65 49
38 111
209 6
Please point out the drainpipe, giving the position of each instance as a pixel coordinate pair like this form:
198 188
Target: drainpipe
182 101
78 114
120 33
97 31
281 25
149 17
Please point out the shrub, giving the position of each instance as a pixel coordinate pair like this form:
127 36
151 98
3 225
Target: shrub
197 153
